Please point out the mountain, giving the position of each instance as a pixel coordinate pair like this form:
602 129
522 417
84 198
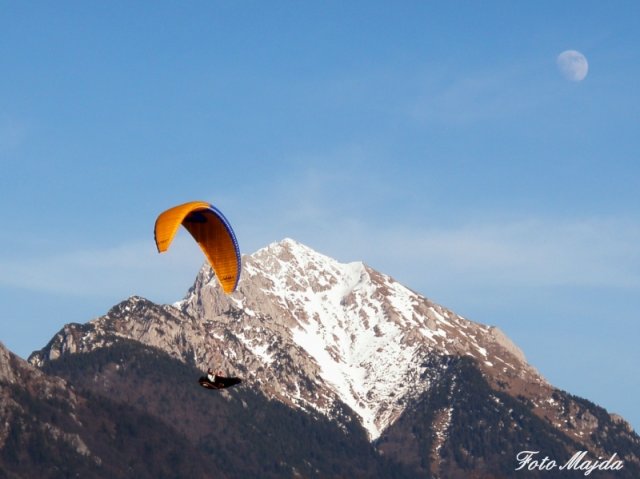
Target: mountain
49 429
240 431
411 383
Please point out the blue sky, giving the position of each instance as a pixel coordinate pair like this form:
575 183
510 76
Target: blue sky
436 141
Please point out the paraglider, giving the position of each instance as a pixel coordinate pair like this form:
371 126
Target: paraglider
216 238
219 382
212 232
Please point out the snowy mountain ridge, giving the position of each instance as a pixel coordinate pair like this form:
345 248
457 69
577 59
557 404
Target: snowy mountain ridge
368 334
322 336
424 387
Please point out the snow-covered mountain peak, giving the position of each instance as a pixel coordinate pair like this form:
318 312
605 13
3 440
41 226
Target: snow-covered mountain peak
366 335
290 257
310 331
296 273
343 340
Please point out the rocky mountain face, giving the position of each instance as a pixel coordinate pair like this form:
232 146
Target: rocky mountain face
49 429
432 392
237 433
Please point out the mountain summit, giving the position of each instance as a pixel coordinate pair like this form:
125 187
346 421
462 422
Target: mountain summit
352 344
364 335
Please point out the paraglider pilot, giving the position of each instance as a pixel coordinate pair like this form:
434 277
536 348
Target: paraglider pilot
217 381
211 376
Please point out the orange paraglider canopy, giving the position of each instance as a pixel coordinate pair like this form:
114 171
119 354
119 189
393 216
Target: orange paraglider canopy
212 232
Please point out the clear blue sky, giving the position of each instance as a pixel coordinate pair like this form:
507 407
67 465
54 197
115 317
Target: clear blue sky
436 141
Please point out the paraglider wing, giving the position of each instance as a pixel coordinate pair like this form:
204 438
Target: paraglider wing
212 232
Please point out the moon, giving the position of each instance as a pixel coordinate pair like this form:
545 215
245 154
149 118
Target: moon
573 65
